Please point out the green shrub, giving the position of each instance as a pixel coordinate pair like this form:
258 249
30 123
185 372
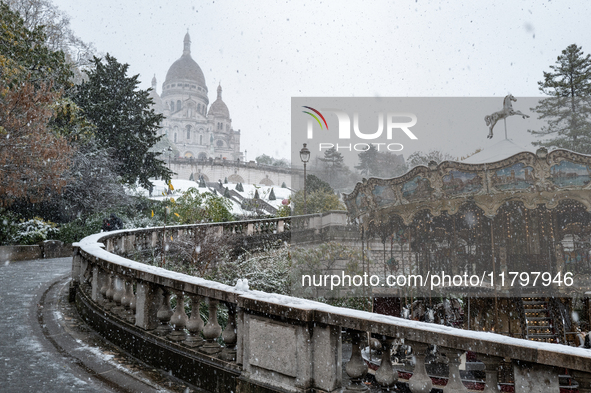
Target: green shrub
34 231
78 229
8 226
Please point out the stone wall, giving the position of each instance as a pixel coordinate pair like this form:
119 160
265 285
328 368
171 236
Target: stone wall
46 249
247 173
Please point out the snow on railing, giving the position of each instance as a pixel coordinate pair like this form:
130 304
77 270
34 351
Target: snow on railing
289 343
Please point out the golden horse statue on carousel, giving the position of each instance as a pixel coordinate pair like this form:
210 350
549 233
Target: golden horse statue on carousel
507 111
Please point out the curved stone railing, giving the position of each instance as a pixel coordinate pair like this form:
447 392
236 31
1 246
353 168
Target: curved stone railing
273 342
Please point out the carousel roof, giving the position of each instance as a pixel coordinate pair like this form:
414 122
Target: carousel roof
497 152
499 174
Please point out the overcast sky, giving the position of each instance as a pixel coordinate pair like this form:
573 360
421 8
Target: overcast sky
265 52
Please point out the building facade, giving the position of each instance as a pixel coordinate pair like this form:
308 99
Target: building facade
197 129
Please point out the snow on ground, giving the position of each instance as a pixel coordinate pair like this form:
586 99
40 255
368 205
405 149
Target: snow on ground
180 186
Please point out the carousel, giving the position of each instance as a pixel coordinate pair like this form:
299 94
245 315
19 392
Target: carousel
517 221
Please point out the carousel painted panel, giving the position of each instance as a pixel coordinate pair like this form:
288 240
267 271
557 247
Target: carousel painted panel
516 177
570 174
383 195
362 202
459 183
418 188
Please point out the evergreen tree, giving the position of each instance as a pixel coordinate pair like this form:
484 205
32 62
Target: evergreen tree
333 158
283 185
368 161
318 201
568 109
192 178
264 159
202 182
313 184
334 164
225 180
256 194
239 187
226 192
124 119
272 195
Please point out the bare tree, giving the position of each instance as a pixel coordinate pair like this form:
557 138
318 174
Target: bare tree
420 158
56 23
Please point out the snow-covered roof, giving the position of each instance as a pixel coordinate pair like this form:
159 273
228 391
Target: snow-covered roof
497 152
181 186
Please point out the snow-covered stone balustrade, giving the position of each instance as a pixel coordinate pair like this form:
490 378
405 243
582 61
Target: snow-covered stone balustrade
275 343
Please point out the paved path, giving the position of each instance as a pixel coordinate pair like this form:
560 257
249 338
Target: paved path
28 363
44 347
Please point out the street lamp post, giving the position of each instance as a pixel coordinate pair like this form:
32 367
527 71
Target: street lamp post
305 157
169 156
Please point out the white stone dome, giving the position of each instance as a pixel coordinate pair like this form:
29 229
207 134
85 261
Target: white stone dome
219 107
185 69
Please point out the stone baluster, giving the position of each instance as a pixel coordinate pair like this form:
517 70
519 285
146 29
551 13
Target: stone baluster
386 376
95 284
104 288
118 295
132 303
584 380
87 273
195 324
98 283
420 382
229 335
491 368
356 367
454 383
179 319
126 298
212 329
164 314
110 292
121 243
109 246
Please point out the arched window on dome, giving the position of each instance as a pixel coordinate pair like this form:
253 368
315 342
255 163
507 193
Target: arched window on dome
188 132
198 108
175 137
200 139
178 105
